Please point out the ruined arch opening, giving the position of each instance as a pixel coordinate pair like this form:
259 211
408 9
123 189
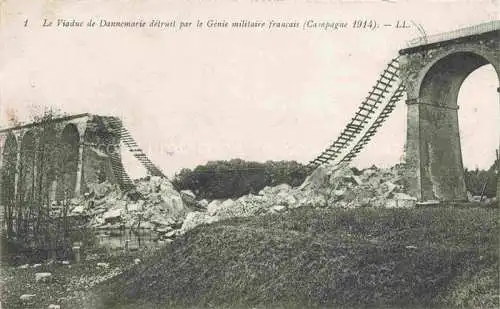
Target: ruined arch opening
441 165
68 165
479 123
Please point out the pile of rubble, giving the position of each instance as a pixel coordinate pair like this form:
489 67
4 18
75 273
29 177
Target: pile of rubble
336 186
155 205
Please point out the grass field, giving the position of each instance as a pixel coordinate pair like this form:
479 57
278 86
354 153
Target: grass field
361 258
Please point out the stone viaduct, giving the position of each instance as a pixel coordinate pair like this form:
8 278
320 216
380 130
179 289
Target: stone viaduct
433 70
75 151
61 156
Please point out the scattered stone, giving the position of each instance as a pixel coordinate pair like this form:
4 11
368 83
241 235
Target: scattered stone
146 225
135 206
402 200
476 198
77 210
428 203
357 180
203 203
24 266
26 297
164 230
112 215
278 208
469 196
171 234
156 204
326 186
103 265
390 187
196 218
188 195
52 306
43 277
36 265
213 207
137 261
161 220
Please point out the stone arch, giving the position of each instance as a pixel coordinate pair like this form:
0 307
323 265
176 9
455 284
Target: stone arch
68 168
8 174
442 78
430 60
437 88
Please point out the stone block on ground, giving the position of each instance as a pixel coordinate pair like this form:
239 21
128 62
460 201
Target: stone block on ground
26 297
112 215
213 207
401 200
203 203
43 277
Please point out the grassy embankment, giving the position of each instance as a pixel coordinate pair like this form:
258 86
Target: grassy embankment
332 258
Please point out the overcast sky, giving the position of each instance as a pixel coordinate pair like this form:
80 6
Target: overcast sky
193 95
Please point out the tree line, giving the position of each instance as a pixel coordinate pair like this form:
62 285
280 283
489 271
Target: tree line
234 178
483 182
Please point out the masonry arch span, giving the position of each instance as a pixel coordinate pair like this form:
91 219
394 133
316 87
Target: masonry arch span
69 145
442 80
441 162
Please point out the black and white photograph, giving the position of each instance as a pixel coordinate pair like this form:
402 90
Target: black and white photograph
249 154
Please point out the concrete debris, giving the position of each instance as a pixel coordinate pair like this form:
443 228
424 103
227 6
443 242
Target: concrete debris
53 306
327 186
